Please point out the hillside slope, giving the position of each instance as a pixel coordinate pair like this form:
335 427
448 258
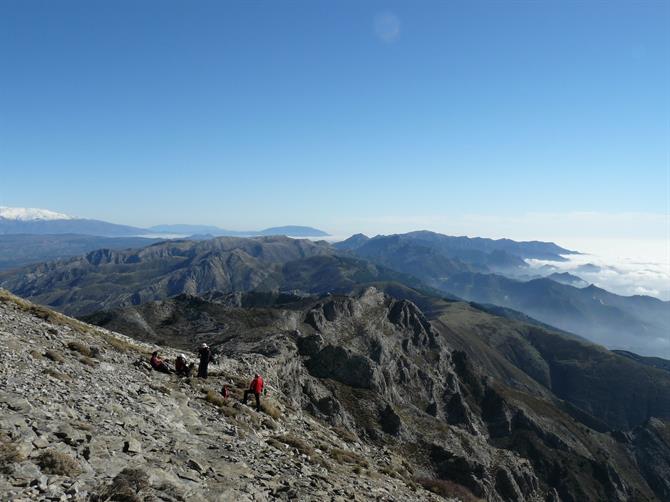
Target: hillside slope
467 397
106 278
82 418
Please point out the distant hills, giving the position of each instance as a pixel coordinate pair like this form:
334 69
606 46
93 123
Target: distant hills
69 226
43 222
288 230
17 250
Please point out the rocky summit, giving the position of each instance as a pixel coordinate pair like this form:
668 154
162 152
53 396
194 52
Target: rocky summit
83 417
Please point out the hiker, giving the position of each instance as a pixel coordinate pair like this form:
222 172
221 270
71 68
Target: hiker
205 356
255 388
181 366
225 391
158 364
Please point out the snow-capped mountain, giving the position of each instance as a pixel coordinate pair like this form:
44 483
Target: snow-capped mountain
21 220
31 214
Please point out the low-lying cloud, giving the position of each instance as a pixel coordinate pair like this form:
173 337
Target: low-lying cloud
627 276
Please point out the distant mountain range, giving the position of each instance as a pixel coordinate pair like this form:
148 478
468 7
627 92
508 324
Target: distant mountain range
288 230
43 222
484 271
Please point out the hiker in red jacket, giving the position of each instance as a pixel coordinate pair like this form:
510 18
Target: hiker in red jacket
158 364
255 388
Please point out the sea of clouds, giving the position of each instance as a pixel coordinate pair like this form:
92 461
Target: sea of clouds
625 276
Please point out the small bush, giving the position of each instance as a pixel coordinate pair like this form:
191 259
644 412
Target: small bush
276 444
84 350
269 424
349 457
121 345
9 455
215 398
35 354
345 434
63 377
55 356
87 361
448 489
270 408
56 462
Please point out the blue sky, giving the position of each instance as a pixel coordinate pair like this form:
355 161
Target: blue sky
465 117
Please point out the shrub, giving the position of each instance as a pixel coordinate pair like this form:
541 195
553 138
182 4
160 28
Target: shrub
56 462
345 434
448 489
121 344
349 457
215 398
55 356
87 361
270 408
84 350
35 354
269 424
9 455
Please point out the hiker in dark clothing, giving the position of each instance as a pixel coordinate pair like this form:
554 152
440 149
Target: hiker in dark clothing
205 356
181 366
158 364
255 388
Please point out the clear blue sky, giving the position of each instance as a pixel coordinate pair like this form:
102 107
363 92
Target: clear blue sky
348 115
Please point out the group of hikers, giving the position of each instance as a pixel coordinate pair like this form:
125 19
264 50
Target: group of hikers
184 369
181 365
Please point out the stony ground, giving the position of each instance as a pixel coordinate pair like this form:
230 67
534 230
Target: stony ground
82 417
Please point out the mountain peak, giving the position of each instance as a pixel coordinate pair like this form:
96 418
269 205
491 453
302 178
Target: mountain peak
31 214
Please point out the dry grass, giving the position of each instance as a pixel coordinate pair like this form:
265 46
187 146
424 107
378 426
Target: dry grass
215 398
9 455
269 424
276 444
84 426
297 443
345 434
348 457
35 354
55 356
56 462
84 350
270 408
448 489
87 361
122 345
63 377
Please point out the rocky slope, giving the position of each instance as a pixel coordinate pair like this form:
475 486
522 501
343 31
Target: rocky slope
508 409
83 418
